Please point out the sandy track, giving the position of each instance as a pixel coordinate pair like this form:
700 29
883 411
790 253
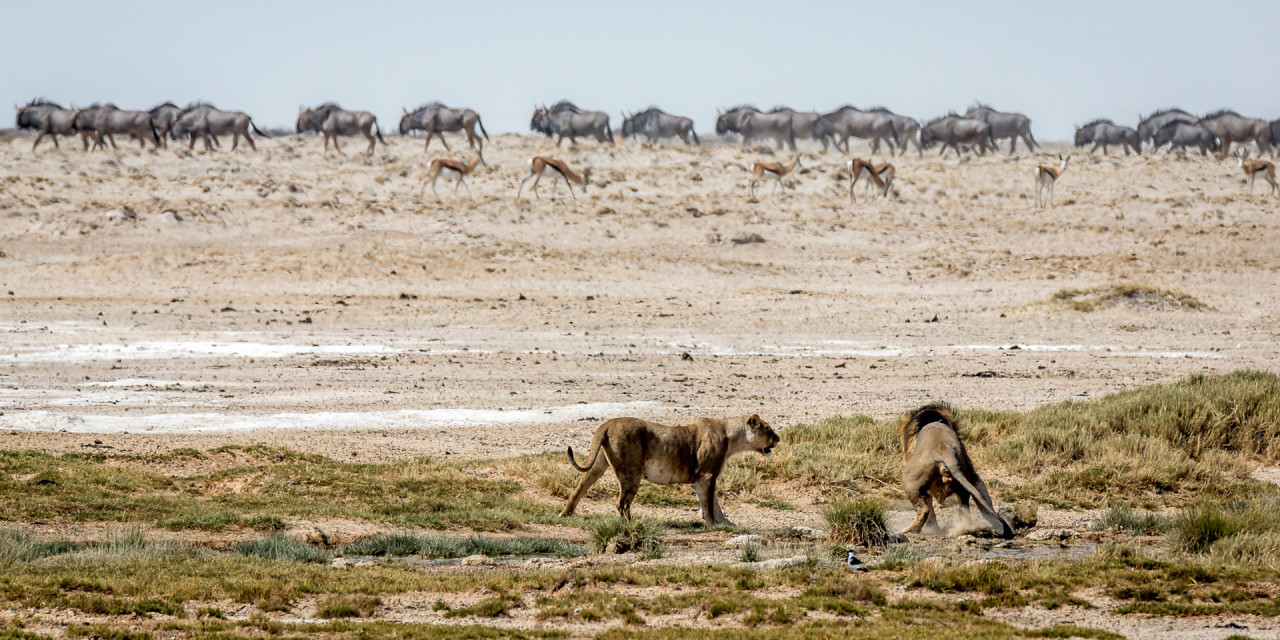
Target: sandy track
315 302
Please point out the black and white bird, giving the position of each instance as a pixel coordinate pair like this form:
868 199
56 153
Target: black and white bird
853 563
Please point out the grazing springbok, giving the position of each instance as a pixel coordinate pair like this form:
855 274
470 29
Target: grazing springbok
776 169
540 166
450 167
1252 168
1046 176
879 174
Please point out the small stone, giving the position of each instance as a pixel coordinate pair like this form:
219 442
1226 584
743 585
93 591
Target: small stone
477 561
808 532
340 562
1040 535
743 541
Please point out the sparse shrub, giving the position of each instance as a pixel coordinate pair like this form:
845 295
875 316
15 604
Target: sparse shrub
858 522
281 547
615 535
750 552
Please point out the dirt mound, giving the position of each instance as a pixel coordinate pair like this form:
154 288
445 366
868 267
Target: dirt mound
1129 295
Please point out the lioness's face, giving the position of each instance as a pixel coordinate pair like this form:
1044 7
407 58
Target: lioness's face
762 437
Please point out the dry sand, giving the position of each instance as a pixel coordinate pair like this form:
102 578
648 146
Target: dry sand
155 300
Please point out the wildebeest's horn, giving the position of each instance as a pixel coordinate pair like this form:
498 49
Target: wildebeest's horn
406 111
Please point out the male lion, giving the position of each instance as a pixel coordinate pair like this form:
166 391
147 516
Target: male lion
662 454
935 465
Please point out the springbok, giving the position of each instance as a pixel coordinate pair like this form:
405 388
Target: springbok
879 174
449 166
1252 168
540 166
777 169
1046 176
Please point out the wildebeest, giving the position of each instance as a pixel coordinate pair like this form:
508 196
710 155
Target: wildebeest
1084 133
106 121
47 119
565 120
437 119
164 115
804 124
208 122
955 131
1231 127
1182 135
1105 133
1148 126
332 121
1275 136
185 125
1005 125
84 122
851 122
654 124
751 123
905 128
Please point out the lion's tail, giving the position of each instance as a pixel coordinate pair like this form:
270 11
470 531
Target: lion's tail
979 495
596 444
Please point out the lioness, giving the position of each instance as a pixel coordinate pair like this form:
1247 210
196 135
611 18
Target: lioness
662 454
935 465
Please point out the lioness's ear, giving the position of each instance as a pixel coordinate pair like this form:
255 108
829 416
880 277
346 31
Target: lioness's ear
754 420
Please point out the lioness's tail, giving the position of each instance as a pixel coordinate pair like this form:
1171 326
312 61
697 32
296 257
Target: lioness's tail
596 444
981 498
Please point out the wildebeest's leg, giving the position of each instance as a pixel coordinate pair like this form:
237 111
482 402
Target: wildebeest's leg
373 142
589 478
561 139
248 139
37 142
1013 144
440 135
235 139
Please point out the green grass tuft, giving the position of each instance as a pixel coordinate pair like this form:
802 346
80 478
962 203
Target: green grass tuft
615 535
432 546
281 547
1125 520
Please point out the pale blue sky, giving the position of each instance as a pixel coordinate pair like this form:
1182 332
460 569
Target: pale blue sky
1060 63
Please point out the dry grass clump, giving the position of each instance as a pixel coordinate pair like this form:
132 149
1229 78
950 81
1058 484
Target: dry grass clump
348 606
857 522
1133 295
1210 526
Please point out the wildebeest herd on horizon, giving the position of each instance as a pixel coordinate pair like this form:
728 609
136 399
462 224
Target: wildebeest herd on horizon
978 130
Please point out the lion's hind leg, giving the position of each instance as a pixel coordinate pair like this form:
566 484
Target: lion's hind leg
630 486
589 478
923 503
